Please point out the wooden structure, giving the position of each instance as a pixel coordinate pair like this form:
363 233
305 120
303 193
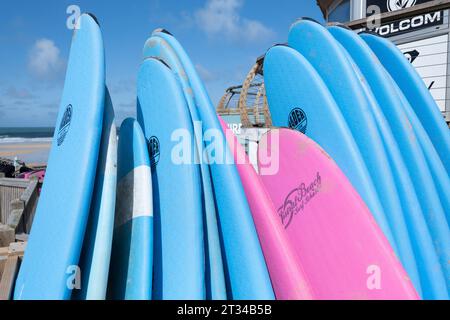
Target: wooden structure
18 201
251 106
10 259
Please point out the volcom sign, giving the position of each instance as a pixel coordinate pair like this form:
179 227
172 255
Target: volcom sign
413 23
394 5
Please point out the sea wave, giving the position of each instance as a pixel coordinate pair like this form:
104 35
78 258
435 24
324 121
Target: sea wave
18 140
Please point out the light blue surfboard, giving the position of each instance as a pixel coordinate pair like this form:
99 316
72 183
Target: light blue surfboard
407 160
437 223
50 266
294 92
318 45
245 269
130 276
416 92
96 252
179 271
438 164
214 273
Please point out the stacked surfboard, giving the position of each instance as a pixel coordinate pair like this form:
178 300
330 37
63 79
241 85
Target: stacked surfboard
360 99
350 198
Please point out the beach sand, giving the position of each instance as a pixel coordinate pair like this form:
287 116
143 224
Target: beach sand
30 153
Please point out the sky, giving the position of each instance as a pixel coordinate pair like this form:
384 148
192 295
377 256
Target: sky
222 37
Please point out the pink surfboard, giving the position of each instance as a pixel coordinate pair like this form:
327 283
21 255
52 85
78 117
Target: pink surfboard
287 277
342 251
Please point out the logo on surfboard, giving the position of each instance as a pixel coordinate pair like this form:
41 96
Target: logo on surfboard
297 120
65 124
395 5
153 150
297 199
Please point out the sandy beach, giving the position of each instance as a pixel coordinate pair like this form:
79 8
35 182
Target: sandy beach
31 153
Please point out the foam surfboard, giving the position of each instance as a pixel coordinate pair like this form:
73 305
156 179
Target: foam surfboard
179 249
436 163
437 223
50 266
130 277
288 279
415 91
341 247
246 278
411 170
294 90
96 252
214 272
354 100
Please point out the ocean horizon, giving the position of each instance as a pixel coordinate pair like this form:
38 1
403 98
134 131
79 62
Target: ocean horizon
28 144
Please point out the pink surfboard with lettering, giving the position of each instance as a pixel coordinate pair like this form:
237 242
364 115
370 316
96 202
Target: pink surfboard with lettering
287 277
342 251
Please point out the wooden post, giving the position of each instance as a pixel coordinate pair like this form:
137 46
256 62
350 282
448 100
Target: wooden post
10 258
9 277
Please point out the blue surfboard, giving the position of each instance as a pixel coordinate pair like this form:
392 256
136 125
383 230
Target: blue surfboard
407 161
437 223
179 271
245 269
50 266
439 169
96 252
416 92
317 45
214 273
294 92
130 276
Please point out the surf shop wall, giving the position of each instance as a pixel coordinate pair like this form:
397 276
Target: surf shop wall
420 28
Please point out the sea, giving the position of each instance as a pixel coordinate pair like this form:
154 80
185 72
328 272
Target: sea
29 144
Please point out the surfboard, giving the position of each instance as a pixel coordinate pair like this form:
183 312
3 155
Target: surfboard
288 279
415 91
179 271
437 223
317 44
214 273
407 159
96 252
294 90
130 276
50 267
342 250
437 167
246 278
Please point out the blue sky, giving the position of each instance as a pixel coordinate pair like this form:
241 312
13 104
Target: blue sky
222 37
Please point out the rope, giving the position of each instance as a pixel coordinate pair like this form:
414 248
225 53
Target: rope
221 107
243 97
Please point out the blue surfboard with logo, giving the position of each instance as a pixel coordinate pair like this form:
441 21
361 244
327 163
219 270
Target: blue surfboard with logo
245 269
214 273
294 90
131 272
317 45
179 269
415 91
407 159
50 266
96 253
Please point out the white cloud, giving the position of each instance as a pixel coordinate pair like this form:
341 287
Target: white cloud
44 60
223 17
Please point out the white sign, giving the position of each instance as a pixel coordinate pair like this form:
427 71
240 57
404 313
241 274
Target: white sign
429 57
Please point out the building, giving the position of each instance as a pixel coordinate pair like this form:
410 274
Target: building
420 28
